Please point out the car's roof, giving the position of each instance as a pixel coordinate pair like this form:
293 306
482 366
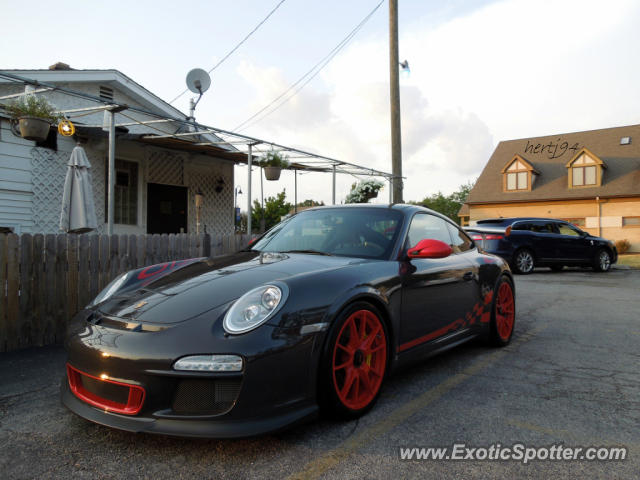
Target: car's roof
405 208
509 221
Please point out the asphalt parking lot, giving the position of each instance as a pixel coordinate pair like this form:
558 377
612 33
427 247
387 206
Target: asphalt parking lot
571 376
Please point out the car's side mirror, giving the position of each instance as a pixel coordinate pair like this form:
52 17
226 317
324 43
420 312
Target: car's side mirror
430 248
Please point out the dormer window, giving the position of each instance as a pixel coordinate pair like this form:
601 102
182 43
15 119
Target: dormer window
518 175
585 170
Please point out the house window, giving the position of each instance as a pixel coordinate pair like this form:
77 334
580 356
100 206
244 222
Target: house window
518 175
125 204
584 175
578 222
585 170
517 180
631 221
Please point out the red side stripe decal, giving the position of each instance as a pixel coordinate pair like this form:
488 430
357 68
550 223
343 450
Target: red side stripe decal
479 313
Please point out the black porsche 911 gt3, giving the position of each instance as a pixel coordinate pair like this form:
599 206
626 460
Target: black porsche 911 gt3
314 315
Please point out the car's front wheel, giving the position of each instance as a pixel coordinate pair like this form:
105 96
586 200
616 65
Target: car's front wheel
503 313
523 261
602 261
355 361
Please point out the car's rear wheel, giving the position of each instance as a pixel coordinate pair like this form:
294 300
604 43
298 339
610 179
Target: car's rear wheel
602 261
523 261
355 361
503 313
557 267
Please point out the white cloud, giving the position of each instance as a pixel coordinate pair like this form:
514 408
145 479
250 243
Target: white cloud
515 68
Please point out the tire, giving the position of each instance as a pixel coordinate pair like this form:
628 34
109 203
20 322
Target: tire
557 268
503 313
355 361
523 261
602 261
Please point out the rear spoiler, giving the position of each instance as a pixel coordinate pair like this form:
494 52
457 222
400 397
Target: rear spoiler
484 232
483 229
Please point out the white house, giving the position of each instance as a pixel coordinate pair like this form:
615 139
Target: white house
156 179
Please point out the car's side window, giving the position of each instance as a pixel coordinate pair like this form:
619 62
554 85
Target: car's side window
522 226
565 229
460 242
542 227
424 225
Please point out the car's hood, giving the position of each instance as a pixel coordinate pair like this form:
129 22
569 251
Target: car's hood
175 291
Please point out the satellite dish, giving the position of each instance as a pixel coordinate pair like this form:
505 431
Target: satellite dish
198 81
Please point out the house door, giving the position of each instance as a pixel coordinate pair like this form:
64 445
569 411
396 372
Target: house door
166 208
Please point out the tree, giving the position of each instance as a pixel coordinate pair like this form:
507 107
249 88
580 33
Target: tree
310 203
448 205
274 208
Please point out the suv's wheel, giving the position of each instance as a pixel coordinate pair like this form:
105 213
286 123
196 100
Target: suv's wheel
602 261
523 261
354 362
503 313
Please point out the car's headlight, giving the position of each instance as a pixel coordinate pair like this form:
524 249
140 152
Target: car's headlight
254 308
110 289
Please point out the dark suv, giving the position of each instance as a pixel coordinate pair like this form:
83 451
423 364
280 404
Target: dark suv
537 242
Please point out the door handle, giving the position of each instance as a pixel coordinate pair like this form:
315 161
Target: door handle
468 276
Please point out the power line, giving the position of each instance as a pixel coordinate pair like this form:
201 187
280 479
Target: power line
237 46
317 68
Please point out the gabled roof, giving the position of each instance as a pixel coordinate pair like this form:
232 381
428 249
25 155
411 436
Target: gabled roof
519 158
585 151
550 155
111 77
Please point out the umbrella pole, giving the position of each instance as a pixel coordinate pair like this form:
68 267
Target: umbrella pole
111 176
249 161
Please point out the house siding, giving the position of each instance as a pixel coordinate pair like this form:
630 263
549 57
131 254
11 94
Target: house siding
16 192
32 178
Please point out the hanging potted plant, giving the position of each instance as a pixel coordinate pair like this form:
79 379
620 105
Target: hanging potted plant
34 115
273 163
364 191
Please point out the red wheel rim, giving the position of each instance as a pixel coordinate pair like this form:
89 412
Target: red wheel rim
505 311
359 359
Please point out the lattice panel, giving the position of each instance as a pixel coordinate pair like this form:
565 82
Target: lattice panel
166 167
49 169
217 209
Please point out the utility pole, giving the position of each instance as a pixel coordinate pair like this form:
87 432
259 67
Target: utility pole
396 136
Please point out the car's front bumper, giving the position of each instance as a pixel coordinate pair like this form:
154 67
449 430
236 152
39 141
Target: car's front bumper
218 428
276 387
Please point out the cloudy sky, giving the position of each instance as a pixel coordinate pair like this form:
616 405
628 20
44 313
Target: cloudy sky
481 72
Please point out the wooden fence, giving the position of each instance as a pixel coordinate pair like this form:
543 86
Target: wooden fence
46 279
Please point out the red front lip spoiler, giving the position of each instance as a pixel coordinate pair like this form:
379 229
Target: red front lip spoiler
134 400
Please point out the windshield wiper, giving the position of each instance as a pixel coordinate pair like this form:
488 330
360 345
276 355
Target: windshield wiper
312 252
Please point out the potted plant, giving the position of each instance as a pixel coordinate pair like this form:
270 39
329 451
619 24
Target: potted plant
364 191
34 115
273 163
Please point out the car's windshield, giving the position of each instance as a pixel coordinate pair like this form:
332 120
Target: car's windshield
352 232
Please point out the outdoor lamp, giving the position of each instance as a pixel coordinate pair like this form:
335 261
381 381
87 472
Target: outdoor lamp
198 199
406 71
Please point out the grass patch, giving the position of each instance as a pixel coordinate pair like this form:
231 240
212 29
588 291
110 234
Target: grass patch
631 259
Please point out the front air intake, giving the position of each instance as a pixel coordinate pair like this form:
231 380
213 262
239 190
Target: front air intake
205 397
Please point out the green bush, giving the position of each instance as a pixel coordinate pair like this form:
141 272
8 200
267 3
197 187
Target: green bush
273 159
33 106
623 246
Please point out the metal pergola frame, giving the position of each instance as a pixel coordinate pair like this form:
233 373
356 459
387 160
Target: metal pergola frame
240 148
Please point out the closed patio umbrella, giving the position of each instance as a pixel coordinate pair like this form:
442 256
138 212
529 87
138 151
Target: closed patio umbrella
78 210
